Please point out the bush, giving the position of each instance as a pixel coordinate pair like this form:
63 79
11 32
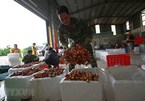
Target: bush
24 51
5 51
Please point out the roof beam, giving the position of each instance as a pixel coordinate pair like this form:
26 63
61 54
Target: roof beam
68 5
104 2
33 7
54 2
87 7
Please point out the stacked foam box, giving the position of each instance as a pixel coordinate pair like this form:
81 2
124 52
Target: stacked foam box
46 89
81 90
128 84
12 70
116 51
18 87
13 59
24 67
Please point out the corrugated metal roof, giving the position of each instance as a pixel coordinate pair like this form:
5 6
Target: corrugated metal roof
94 11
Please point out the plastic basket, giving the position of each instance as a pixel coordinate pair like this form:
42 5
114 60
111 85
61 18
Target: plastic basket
118 59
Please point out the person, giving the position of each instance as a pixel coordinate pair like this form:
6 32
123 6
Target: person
34 49
44 49
61 51
73 31
130 41
15 49
46 55
14 56
110 45
118 45
53 59
29 57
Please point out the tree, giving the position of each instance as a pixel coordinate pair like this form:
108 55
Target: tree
5 51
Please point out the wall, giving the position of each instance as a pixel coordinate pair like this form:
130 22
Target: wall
105 28
104 39
139 31
119 29
135 25
136 21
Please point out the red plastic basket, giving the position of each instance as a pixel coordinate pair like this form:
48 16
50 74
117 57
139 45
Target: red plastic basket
118 59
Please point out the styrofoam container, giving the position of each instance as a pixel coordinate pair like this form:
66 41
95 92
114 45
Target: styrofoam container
101 54
39 64
143 57
81 90
65 66
46 89
13 55
128 83
14 61
116 51
12 70
17 88
142 48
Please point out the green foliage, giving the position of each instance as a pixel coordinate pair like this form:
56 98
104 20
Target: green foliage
5 51
24 51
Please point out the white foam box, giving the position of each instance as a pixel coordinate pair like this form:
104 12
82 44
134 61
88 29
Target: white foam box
17 87
43 89
81 90
65 66
12 70
128 83
39 64
116 51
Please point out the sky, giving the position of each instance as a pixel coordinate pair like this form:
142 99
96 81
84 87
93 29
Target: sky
20 26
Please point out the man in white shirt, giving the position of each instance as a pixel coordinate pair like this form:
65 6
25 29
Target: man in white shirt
44 49
61 51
